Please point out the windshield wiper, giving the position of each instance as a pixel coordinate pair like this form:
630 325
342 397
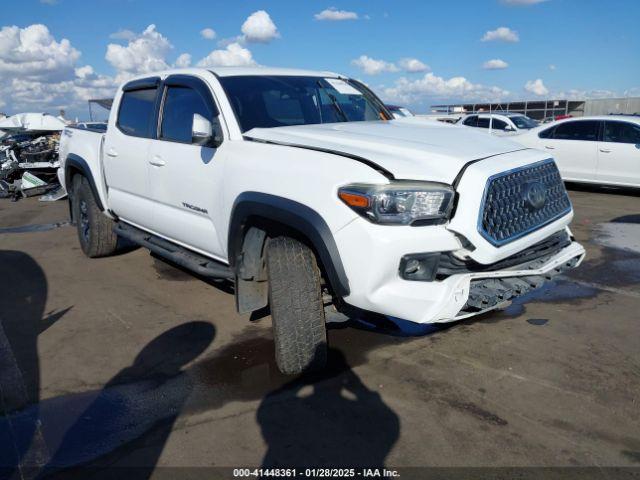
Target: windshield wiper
334 102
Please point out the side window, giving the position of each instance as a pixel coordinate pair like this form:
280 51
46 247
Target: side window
499 124
472 121
548 133
483 122
136 113
621 132
578 130
180 103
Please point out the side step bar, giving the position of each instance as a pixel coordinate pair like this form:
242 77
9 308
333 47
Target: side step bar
198 264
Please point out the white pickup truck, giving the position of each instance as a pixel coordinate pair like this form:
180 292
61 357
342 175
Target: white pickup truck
302 189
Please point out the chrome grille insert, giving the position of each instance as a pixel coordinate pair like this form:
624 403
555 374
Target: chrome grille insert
521 201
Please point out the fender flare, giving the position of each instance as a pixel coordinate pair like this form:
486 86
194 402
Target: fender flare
78 163
296 216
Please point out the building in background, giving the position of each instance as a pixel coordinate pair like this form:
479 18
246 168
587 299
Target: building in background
544 109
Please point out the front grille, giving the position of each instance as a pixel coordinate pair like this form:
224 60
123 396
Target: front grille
520 201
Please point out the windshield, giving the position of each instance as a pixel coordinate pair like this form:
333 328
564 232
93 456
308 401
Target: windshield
278 101
524 122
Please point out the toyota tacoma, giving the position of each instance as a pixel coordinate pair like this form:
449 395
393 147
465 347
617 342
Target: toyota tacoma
302 189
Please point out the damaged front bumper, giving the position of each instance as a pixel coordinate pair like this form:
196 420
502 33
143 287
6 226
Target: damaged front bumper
474 293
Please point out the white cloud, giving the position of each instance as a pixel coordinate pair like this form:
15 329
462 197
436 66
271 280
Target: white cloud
208 33
413 65
334 15
259 28
536 87
234 55
518 3
145 53
552 67
431 86
32 52
40 73
123 34
501 34
577 94
495 64
183 61
84 72
371 66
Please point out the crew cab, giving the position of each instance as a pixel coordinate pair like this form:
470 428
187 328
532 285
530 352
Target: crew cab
302 189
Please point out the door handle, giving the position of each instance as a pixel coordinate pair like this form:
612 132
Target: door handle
604 150
548 147
112 153
157 161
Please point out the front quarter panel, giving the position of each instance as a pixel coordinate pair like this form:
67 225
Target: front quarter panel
308 177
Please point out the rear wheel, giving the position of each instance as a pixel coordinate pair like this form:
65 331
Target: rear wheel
95 230
295 298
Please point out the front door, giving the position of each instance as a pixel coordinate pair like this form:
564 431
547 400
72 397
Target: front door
619 153
185 178
574 146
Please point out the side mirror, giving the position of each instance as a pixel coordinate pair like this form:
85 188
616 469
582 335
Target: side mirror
203 132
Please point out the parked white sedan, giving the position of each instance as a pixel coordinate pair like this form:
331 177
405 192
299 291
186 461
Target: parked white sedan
501 124
604 149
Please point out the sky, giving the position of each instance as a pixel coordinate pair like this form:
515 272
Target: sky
56 54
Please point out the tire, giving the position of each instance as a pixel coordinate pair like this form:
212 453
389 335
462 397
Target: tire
295 298
95 230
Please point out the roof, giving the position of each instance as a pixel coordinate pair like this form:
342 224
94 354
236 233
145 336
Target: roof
632 118
237 71
504 114
234 71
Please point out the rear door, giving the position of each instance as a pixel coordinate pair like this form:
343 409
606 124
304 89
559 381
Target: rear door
186 178
619 153
125 151
574 145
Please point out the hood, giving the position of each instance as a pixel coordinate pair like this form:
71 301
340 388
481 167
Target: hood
408 148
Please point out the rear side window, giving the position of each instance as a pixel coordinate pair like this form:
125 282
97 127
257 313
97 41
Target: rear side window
621 132
180 104
136 113
472 121
483 122
581 130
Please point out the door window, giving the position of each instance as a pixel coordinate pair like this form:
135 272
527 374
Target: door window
483 122
472 121
579 130
621 132
180 104
136 114
548 133
499 124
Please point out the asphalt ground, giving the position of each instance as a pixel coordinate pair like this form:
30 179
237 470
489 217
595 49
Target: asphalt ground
129 362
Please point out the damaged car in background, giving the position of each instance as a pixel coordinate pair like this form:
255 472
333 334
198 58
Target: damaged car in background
29 157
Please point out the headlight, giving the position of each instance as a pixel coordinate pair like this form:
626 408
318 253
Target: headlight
400 202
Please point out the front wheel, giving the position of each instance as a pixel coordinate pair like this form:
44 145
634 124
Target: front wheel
95 229
295 297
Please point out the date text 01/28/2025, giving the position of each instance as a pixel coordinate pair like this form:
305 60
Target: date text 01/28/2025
315 473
